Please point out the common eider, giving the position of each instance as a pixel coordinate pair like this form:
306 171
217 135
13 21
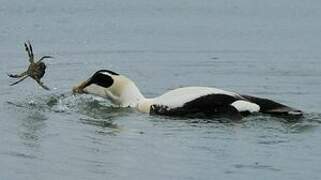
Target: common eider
187 101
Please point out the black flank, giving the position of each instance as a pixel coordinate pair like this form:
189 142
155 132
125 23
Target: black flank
213 105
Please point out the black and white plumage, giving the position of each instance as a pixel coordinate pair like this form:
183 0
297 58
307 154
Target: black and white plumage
188 101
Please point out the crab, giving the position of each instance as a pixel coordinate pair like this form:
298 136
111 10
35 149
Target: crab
36 70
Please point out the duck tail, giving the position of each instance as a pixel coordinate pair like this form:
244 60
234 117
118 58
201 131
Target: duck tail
271 107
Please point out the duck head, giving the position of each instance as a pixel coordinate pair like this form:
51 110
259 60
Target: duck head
117 88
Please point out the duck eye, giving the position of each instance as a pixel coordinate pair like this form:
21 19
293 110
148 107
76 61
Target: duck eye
102 80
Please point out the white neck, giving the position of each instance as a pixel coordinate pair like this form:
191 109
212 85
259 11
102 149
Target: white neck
122 93
130 96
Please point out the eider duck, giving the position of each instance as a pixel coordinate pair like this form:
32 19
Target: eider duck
187 101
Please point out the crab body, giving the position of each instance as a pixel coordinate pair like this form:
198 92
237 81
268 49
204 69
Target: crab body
36 70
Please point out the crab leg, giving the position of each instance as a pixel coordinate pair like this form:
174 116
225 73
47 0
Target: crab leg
42 85
18 75
29 53
30 48
44 57
20 80
27 49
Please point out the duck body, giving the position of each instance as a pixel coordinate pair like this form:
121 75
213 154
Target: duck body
187 101
198 102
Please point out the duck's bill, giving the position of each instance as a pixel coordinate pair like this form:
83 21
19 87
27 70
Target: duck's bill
80 89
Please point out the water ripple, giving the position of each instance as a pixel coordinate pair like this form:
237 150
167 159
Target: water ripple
20 155
256 166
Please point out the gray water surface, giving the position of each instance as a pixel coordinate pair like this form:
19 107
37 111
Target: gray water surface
264 48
